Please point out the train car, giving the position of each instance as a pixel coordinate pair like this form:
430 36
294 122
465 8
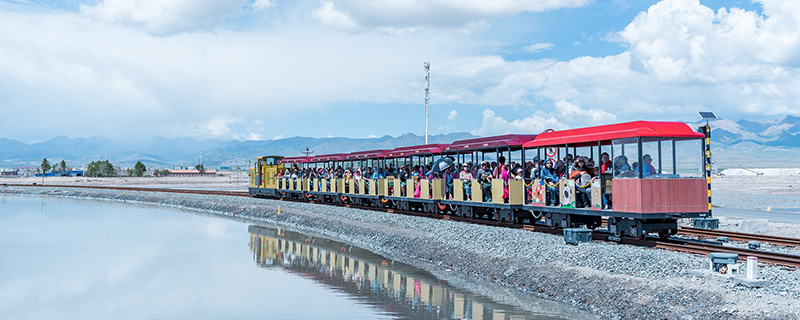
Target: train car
655 177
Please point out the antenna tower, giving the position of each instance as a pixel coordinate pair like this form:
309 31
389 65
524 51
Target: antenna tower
427 90
307 152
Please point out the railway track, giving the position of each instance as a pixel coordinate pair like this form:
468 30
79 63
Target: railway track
705 248
672 244
739 236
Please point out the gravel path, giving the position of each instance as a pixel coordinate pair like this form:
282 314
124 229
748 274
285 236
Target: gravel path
611 280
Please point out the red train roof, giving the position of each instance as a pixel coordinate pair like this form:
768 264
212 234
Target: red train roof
591 135
292 160
370 154
503 142
416 150
328 157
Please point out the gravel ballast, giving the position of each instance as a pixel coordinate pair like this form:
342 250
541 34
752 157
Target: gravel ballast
608 279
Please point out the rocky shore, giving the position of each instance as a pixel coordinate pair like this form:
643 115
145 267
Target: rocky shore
610 280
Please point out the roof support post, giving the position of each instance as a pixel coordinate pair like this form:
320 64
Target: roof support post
659 156
674 157
641 163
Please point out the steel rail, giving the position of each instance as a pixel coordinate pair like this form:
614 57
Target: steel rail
705 249
740 236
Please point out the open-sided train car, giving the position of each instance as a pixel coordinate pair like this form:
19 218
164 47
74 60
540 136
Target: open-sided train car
671 184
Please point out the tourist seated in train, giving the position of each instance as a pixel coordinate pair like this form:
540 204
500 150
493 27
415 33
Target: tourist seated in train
605 163
533 168
378 174
580 174
561 168
647 168
466 178
485 180
621 165
550 176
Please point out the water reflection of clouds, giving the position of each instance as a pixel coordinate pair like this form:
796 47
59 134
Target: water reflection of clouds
77 259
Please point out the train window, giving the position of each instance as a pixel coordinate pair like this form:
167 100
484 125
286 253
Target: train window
689 158
625 160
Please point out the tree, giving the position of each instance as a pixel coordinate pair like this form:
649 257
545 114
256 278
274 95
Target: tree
161 173
200 168
100 169
63 167
45 166
139 169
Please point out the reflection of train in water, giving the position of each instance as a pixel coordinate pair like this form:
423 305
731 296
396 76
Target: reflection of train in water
397 288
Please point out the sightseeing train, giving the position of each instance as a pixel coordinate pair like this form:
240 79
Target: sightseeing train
649 174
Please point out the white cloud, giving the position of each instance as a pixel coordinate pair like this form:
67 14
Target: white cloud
333 18
491 124
372 136
160 17
403 16
252 136
452 115
263 4
217 127
538 47
278 137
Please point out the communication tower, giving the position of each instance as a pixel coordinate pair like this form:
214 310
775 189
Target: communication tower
427 90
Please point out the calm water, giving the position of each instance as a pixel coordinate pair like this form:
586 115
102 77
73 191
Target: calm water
63 258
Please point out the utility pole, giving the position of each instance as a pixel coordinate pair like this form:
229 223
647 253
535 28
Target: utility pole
307 152
427 90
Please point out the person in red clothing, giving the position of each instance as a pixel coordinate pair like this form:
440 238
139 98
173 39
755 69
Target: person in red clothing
605 163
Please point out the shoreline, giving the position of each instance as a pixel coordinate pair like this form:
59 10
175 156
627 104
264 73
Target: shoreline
610 280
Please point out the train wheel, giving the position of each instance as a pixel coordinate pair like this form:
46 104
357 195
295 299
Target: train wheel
664 234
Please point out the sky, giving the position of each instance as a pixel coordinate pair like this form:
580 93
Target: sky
270 69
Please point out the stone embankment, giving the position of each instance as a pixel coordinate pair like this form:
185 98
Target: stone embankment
611 280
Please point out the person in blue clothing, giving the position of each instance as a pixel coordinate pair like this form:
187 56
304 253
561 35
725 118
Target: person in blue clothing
550 176
647 167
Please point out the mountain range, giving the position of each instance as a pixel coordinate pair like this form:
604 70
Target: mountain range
742 143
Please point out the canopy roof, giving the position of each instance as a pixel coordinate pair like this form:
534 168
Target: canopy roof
604 134
424 149
514 141
292 160
328 157
370 154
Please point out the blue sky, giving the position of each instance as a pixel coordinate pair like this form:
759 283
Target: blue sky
266 69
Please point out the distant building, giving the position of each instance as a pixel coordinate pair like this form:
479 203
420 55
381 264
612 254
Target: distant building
11 173
191 172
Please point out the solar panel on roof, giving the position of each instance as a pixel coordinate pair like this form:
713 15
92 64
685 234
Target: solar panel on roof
707 115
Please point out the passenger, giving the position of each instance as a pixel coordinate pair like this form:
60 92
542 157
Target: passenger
648 168
417 179
605 163
621 165
485 180
520 175
466 177
502 169
580 174
448 182
561 168
550 176
403 176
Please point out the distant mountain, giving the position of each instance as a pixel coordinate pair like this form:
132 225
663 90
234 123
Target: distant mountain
734 144
159 152
755 144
